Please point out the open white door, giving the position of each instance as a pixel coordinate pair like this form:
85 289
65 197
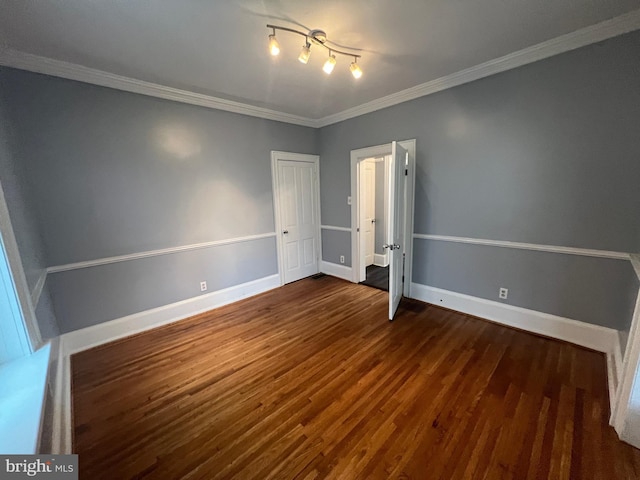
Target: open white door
395 229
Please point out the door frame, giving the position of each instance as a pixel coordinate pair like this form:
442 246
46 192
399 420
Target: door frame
621 398
358 156
294 157
26 318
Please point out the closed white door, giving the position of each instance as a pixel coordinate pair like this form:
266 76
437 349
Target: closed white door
395 231
299 219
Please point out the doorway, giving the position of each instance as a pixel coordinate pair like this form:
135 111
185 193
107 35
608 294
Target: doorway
296 194
399 203
373 214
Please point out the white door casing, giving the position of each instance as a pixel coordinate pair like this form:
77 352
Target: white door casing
297 208
357 157
395 232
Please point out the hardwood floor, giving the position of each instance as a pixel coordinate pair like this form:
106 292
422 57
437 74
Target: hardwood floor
377 277
311 381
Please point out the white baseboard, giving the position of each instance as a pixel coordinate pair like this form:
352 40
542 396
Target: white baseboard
380 260
598 338
74 342
95 335
335 270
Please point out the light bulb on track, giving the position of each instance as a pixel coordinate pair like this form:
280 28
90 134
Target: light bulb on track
356 71
329 65
305 54
274 46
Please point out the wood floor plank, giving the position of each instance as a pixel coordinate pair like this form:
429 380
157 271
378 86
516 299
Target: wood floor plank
311 381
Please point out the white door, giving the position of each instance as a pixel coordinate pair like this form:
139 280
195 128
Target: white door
299 220
368 205
395 230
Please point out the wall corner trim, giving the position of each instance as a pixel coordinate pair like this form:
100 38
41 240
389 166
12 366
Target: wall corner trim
86 338
336 270
635 261
614 369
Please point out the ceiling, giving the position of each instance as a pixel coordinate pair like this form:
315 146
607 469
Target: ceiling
219 48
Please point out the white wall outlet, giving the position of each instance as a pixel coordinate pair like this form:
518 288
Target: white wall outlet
203 286
504 293
348 200
341 258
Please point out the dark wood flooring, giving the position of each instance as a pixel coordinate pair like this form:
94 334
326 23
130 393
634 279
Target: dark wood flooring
377 277
312 381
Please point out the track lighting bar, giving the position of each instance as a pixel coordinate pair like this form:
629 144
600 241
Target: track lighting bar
315 37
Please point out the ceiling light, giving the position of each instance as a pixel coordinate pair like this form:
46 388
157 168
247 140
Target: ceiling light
329 64
316 37
356 71
274 46
305 54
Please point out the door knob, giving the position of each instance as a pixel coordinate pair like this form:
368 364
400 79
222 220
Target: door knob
284 232
393 246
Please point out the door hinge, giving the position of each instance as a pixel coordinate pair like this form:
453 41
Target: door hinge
406 172
403 278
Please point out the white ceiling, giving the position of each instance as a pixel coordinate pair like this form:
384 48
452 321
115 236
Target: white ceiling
219 48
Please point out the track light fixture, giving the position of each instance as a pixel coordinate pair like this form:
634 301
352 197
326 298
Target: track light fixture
319 38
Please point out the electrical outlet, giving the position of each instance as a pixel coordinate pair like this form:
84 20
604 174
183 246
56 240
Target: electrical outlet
504 293
341 258
203 286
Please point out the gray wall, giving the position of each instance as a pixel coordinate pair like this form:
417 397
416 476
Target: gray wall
113 173
334 244
547 153
23 221
591 289
89 296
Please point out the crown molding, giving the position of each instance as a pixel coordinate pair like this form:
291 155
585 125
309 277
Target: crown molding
580 38
58 68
